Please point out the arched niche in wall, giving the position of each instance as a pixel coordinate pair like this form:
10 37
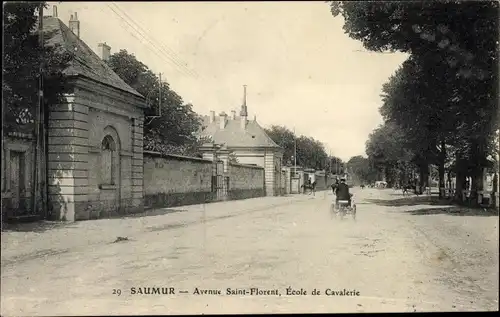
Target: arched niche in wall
110 158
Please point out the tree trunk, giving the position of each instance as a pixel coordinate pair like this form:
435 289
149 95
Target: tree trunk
461 174
477 185
441 171
404 176
477 161
494 193
424 179
420 180
449 180
459 187
441 180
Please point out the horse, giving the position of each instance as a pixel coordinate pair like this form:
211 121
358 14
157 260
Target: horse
310 186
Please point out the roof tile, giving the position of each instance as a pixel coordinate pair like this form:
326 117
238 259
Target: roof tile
85 62
234 136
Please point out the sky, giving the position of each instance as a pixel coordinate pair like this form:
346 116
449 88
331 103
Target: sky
301 70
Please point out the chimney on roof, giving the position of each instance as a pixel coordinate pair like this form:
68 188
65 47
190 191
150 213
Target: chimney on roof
233 114
212 116
54 11
244 113
74 24
104 51
223 119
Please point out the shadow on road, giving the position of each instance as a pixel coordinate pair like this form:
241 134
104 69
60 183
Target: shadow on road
446 207
410 201
39 226
151 212
42 226
454 211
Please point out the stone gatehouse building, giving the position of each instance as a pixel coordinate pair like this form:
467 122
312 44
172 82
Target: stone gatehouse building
95 144
93 165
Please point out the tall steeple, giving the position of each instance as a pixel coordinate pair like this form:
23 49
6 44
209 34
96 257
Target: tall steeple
243 111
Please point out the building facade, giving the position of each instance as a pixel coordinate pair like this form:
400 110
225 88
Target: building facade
246 141
95 134
92 163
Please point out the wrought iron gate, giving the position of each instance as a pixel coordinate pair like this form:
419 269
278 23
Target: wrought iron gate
220 182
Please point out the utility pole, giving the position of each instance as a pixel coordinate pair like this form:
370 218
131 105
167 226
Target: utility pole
159 101
330 163
36 161
294 152
44 170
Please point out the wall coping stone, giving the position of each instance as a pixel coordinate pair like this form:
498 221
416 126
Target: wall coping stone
247 165
176 157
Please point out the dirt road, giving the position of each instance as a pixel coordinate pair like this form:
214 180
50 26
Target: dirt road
400 255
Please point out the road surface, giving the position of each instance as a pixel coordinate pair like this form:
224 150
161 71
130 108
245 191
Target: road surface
401 255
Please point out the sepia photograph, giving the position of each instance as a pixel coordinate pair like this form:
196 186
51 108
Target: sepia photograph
249 157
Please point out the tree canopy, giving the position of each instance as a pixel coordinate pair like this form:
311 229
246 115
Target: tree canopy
444 97
22 65
451 77
311 153
362 170
175 130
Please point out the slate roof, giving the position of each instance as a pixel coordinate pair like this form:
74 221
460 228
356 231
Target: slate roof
233 135
85 62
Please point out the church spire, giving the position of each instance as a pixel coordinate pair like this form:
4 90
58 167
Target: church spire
243 111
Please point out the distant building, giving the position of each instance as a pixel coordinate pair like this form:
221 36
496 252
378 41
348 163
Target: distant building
248 142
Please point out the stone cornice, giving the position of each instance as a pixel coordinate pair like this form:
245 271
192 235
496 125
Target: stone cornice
109 109
107 91
258 148
175 157
247 166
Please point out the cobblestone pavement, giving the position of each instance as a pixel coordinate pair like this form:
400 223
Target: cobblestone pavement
396 257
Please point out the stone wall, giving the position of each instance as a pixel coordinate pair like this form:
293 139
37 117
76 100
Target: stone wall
321 183
172 180
245 181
